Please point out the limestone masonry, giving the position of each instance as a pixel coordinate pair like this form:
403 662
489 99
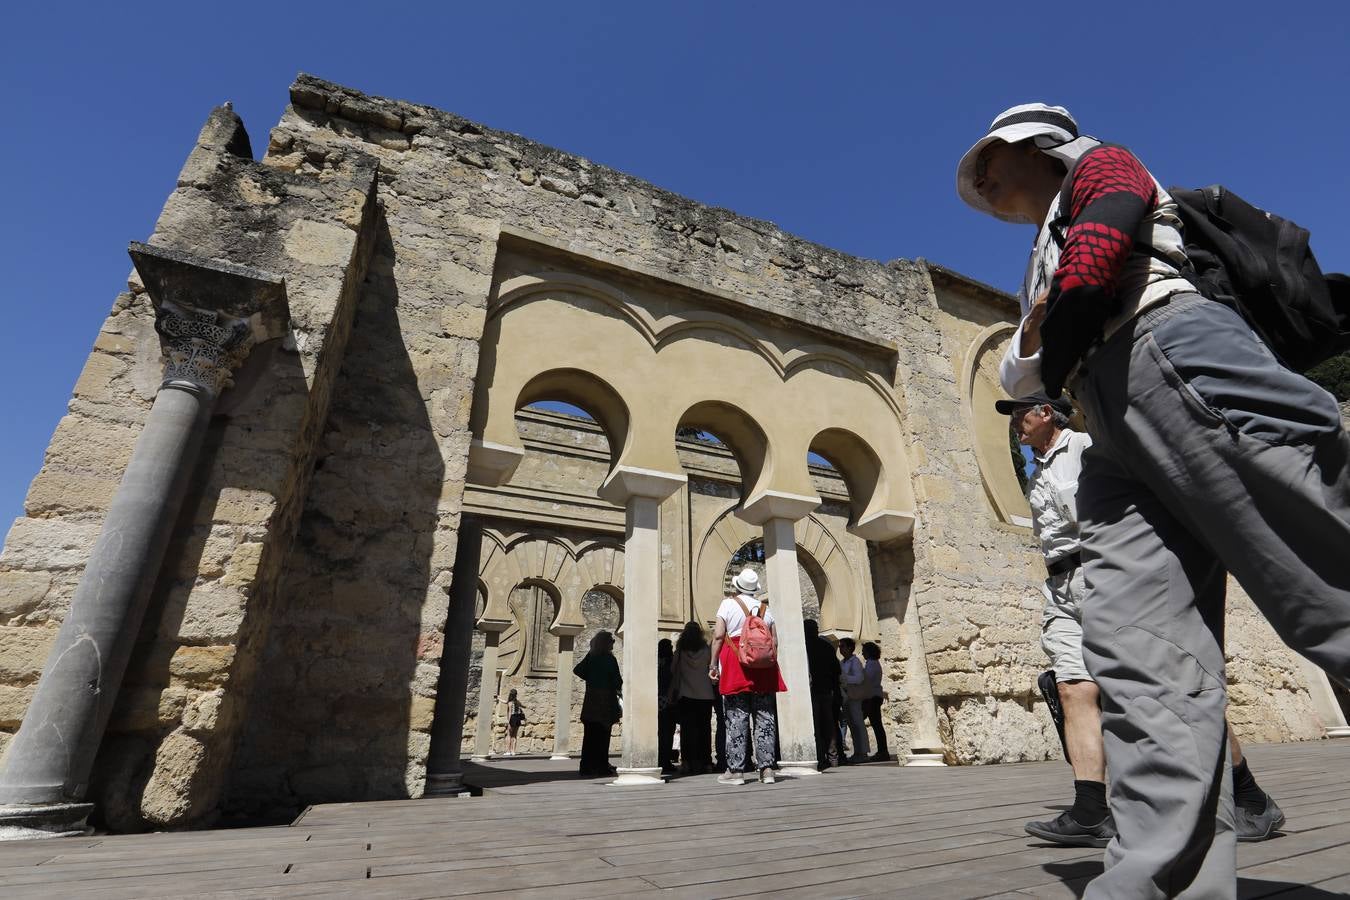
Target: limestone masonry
349 525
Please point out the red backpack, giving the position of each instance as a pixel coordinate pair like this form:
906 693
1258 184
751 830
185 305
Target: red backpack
756 649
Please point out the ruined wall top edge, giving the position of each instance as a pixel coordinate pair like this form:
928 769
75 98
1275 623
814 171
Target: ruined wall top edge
825 270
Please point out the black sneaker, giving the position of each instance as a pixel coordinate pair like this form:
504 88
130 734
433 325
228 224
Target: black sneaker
1258 826
1064 829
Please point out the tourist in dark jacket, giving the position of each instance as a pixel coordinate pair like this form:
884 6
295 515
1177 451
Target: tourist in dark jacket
600 707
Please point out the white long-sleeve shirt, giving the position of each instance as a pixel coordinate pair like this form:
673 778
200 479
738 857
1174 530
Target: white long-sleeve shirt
1053 494
851 670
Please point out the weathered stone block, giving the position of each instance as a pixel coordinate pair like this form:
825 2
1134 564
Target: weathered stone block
178 781
950 661
956 684
21 591
147 708
49 544
23 651
96 379
14 703
201 664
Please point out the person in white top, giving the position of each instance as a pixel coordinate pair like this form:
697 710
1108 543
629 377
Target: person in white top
746 692
1043 425
852 676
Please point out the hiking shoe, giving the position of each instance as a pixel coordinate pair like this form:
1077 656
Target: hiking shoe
766 776
730 777
1258 826
1065 829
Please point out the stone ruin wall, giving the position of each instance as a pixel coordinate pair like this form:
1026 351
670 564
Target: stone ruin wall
341 629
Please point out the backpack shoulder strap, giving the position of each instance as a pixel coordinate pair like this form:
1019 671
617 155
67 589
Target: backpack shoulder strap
763 605
1060 224
741 603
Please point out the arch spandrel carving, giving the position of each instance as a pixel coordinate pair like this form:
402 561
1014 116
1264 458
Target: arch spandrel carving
980 388
844 596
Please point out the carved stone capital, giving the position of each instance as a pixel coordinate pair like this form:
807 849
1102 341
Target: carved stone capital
209 313
202 347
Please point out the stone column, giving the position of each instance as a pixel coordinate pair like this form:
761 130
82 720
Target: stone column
48 764
796 726
641 491
562 714
444 772
926 745
487 693
1324 699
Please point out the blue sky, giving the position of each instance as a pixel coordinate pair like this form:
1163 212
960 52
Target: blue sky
841 122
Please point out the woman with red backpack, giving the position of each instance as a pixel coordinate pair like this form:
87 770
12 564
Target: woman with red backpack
745 667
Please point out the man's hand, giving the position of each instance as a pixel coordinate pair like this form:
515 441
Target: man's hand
1031 325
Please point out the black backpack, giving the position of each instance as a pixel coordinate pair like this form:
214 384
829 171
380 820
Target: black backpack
1260 265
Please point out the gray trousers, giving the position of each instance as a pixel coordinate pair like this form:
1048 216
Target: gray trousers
857 728
1208 457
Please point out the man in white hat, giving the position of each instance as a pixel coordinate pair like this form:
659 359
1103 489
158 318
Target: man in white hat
1208 457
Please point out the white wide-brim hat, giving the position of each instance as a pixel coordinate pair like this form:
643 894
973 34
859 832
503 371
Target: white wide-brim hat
1055 132
747 582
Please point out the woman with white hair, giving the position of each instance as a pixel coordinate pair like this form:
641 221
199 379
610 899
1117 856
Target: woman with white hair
747 691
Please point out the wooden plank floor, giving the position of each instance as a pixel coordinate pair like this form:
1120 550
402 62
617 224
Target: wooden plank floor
863 831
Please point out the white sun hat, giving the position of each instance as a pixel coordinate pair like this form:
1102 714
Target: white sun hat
747 582
1055 132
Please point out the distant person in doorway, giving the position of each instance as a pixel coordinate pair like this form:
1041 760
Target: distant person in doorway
851 678
693 693
665 709
515 717
748 693
600 707
872 702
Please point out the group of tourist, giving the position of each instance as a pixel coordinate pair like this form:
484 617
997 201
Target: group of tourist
698 682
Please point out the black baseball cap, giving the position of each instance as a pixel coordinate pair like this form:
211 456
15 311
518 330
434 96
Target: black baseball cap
1059 404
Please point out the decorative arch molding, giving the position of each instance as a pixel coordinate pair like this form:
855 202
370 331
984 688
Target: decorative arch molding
639 399
845 607
988 430
659 333
742 434
508 561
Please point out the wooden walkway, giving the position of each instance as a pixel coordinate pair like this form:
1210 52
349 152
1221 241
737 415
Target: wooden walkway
863 831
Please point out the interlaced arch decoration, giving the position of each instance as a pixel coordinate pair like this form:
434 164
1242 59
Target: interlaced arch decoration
842 594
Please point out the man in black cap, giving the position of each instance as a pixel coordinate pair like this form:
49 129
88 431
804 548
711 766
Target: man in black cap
1043 425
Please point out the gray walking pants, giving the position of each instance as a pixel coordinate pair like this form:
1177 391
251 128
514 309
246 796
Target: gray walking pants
1208 457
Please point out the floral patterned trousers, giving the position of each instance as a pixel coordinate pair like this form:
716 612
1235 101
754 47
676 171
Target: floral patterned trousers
740 709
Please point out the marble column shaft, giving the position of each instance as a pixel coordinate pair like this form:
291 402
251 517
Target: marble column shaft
487 697
641 605
562 713
444 771
50 760
796 726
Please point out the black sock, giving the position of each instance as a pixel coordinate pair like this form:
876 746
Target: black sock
1246 792
1089 802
